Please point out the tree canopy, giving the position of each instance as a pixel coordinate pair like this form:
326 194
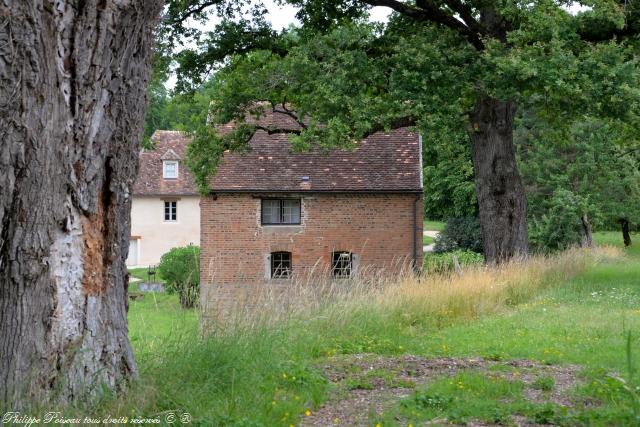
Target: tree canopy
441 66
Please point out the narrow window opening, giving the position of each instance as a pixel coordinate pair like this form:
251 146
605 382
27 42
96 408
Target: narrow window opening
342 264
171 211
280 265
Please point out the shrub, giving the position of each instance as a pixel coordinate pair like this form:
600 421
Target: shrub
560 227
443 262
180 267
461 233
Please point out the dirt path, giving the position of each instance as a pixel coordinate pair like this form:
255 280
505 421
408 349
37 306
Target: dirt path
429 233
367 384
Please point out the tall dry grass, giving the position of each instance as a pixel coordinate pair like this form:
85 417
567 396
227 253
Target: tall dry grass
440 298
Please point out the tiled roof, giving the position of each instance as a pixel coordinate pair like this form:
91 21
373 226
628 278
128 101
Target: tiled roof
169 145
382 162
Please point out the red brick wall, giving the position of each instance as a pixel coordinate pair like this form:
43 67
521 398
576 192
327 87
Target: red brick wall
379 228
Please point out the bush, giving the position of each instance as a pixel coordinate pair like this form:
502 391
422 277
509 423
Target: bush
443 262
461 233
180 267
560 227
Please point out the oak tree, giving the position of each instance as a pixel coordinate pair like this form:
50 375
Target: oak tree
73 79
457 64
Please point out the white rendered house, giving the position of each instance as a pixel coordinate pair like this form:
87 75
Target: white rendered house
165 211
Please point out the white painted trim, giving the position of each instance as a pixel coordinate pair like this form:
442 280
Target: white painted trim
164 219
164 170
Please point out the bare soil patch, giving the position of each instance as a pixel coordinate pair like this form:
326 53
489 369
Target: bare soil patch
367 384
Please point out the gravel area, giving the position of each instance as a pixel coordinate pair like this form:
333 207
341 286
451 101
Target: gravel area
367 384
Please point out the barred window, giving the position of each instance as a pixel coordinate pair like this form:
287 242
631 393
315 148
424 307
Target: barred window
280 265
342 264
280 211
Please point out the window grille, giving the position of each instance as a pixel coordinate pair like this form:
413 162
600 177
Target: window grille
280 265
342 264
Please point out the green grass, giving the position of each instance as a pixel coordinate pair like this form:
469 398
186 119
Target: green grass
142 274
270 376
433 225
427 240
460 398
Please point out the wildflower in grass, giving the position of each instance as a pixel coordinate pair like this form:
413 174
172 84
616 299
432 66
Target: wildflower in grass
307 413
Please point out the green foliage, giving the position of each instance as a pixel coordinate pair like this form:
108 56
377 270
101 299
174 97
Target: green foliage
463 233
591 159
560 227
351 77
180 268
448 175
444 263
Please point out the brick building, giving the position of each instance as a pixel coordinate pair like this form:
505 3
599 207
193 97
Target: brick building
274 215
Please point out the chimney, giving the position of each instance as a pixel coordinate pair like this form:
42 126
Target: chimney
305 183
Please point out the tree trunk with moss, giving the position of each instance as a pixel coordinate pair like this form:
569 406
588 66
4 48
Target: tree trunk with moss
72 98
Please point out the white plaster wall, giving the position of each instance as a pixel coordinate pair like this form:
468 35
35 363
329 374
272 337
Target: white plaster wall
158 236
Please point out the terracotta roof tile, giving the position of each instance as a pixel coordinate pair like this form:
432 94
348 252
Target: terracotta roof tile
382 162
169 145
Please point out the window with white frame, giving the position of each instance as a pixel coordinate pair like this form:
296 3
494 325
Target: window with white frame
171 210
170 169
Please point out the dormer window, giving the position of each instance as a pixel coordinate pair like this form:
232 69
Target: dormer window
170 169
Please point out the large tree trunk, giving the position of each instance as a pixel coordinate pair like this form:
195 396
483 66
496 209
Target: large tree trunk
626 236
501 198
73 77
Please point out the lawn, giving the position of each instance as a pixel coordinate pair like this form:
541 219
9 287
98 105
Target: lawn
143 274
433 225
427 240
512 341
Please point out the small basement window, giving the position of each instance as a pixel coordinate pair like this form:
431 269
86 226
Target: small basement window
170 169
280 265
171 211
341 264
280 211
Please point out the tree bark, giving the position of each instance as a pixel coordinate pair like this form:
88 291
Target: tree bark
626 236
586 231
501 198
73 78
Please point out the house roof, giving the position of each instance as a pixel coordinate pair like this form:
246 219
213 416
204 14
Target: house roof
383 162
169 145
